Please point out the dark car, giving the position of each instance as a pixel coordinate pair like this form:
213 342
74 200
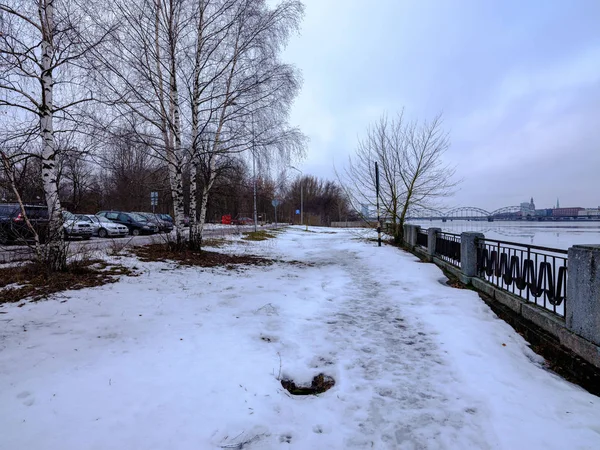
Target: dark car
137 224
168 218
163 225
13 226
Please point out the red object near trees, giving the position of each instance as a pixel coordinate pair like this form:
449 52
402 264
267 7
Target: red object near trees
226 220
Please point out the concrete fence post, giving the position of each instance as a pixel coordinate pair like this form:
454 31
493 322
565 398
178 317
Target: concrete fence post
468 254
431 238
410 235
583 292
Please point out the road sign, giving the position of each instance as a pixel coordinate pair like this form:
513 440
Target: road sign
153 198
297 211
275 203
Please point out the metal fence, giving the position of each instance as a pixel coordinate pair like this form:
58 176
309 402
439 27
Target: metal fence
447 247
422 238
536 274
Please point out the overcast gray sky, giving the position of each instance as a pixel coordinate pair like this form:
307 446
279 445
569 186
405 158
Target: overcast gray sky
518 82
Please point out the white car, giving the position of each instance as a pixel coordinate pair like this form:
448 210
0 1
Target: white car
103 227
73 227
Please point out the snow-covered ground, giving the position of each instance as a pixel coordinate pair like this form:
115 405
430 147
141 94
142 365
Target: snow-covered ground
189 358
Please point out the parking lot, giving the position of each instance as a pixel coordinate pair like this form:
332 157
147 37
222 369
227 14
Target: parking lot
22 252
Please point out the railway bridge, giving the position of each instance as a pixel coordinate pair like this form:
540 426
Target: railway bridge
467 213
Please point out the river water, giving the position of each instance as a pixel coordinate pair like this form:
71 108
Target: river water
562 234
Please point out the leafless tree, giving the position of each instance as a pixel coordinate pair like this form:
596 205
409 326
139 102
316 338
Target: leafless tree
240 91
130 171
139 78
413 174
42 43
323 200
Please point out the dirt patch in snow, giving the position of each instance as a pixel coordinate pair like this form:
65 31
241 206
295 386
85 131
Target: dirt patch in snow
30 281
452 282
204 258
214 242
320 384
261 235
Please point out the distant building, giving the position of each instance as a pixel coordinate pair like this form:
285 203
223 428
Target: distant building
567 212
528 209
589 212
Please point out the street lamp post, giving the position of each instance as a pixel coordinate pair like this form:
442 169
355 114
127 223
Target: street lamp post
301 197
254 176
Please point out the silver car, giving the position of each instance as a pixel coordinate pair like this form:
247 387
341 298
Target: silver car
103 227
73 227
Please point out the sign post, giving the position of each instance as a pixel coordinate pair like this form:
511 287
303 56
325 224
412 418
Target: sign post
153 200
377 192
275 204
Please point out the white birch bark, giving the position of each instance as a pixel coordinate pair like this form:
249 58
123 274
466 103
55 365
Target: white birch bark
170 121
176 157
195 236
214 151
55 250
193 204
205 192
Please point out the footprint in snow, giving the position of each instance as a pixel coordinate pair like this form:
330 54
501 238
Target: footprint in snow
26 397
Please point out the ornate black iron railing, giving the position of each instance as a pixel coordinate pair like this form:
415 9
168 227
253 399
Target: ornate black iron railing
422 238
447 247
537 274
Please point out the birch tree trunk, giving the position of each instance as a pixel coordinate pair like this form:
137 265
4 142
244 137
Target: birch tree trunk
176 158
170 120
205 191
55 256
194 243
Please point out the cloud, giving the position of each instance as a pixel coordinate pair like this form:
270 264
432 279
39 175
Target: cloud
518 82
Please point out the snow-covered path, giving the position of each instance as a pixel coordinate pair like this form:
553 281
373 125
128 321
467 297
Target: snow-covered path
190 359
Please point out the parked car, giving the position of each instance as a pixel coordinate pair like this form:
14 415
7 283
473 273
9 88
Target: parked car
243 221
74 227
166 217
103 227
163 225
13 226
134 222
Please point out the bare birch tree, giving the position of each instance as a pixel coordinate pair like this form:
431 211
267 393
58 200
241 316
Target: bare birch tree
413 174
238 81
139 78
41 47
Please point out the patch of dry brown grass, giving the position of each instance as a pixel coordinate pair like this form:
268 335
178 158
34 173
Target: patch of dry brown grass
35 283
204 258
261 235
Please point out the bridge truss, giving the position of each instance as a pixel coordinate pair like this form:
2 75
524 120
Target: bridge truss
467 213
